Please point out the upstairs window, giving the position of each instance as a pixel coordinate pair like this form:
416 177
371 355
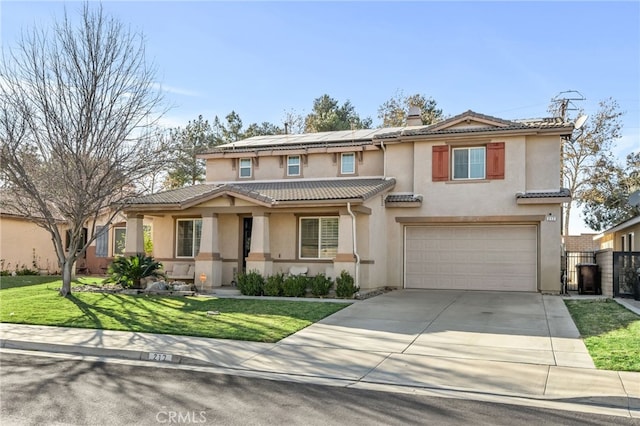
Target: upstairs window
468 163
348 163
245 168
188 233
293 165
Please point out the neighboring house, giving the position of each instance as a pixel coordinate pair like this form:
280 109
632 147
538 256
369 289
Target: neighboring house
109 243
472 202
623 237
23 244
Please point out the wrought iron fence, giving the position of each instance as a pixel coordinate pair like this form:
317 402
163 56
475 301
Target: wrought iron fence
626 266
572 259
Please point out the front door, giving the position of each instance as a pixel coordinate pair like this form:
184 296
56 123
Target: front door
247 224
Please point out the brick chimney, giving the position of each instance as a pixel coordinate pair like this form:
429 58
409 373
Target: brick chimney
414 119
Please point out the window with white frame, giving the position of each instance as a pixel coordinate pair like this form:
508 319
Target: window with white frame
245 168
318 237
102 241
293 165
630 242
348 163
188 234
119 240
623 242
469 163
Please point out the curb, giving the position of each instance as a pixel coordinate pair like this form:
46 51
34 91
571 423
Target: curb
154 357
629 404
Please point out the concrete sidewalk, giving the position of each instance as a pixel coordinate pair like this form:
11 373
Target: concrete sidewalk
509 345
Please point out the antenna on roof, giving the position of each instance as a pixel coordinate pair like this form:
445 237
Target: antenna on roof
565 100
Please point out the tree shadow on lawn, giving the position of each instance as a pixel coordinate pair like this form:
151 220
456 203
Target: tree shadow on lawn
263 321
7 282
128 313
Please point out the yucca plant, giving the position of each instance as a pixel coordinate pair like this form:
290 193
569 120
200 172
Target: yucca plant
129 270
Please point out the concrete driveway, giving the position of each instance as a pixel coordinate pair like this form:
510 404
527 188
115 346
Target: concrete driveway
438 338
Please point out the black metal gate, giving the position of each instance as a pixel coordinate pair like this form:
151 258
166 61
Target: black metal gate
625 272
572 259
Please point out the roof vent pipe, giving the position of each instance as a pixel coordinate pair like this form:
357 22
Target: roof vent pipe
414 119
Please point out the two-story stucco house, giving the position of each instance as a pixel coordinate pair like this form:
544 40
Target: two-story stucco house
472 202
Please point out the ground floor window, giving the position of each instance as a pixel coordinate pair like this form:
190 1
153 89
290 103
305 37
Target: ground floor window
318 237
102 241
119 240
188 233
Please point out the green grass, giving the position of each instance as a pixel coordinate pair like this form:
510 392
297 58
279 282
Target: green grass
35 300
611 333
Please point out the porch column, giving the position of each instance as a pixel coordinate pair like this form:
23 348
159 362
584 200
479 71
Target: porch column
259 258
208 261
345 260
134 239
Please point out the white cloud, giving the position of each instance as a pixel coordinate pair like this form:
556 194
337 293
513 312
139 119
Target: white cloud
177 90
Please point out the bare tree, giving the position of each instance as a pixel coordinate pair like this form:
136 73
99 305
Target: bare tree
76 108
588 145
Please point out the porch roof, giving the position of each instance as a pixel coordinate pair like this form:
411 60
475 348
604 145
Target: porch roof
270 194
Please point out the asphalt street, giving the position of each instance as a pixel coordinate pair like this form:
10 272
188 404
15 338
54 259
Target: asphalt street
54 390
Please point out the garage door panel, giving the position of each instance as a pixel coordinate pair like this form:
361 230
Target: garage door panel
484 257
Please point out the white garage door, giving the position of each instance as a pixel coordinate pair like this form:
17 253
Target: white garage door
485 257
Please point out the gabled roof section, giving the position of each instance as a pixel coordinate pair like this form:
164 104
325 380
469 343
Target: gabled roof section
269 194
472 122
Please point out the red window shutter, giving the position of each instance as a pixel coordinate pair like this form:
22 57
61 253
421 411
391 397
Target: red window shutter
495 160
440 163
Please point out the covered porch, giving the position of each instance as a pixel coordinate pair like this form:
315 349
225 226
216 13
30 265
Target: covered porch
222 230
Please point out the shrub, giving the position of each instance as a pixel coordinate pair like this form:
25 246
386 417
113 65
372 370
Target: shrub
251 284
320 285
129 270
295 286
273 285
26 271
345 286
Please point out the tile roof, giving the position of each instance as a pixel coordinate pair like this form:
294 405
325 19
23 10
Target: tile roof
293 141
441 128
562 193
176 196
273 193
368 136
403 198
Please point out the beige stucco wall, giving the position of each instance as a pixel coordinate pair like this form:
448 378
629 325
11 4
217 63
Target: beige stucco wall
542 167
478 199
617 237
316 165
21 240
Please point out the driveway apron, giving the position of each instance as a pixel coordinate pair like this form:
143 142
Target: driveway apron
455 339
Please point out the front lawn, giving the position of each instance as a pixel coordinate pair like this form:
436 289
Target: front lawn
611 333
35 300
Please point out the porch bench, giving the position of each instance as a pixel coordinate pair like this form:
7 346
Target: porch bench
181 271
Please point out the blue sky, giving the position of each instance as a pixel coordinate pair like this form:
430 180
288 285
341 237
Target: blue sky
261 59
